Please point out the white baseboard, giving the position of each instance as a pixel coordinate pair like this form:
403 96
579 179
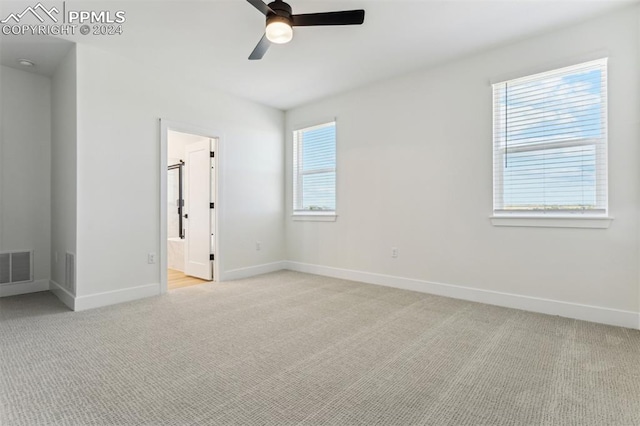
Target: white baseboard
236 274
591 313
116 296
23 288
63 294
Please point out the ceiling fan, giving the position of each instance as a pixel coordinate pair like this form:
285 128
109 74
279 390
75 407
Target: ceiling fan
280 23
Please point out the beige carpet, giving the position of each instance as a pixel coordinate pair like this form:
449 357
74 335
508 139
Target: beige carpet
290 348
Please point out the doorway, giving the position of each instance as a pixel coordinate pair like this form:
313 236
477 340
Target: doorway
189 204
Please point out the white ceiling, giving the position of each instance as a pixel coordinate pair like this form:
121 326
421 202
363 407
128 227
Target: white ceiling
45 52
208 42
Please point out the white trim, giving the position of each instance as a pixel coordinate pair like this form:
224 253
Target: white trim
317 217
591 313
116 296
575 221
164 129
23 287
577 66
550 66
63 294
218 137
314 123
251 271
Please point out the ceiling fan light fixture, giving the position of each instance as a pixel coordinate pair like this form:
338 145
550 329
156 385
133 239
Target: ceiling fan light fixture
279 30
281 20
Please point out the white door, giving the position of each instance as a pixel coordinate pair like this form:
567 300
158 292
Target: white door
197 249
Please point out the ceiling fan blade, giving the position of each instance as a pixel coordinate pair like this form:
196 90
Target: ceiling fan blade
261 6
260 49
346 17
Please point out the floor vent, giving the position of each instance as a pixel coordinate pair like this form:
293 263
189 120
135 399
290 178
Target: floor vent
70 273
16 267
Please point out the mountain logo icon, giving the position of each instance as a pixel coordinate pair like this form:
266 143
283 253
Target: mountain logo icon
39 11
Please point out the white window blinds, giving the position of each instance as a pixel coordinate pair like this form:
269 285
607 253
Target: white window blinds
314 169
550 142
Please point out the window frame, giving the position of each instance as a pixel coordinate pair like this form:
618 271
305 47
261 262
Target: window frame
298 174
592 218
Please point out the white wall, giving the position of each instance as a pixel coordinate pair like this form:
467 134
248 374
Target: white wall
63 165
119 105
25 156
415 172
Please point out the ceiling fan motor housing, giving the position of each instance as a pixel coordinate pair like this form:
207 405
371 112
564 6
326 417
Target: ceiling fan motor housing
282 13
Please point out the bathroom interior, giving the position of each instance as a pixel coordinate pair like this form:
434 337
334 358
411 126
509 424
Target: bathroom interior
181 196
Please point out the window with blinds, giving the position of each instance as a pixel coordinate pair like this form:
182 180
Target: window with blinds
314 169
550 142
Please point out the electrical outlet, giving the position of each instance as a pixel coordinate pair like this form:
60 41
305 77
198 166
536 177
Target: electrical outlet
394 252
151 258
258 245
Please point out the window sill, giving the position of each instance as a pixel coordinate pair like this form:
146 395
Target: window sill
549 221
315 217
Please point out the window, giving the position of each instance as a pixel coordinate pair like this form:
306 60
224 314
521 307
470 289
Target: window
314 170
550 142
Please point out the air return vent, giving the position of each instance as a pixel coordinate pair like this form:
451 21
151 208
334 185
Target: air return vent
16 267
70 273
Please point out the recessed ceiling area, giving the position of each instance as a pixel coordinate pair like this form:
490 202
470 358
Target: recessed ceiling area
44 52
209 42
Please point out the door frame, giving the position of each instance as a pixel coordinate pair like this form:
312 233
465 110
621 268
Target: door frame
217 137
